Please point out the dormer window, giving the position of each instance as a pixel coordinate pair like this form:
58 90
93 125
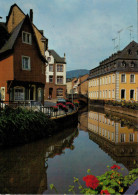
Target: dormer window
129 52
26 37
123 64
132 65
49 59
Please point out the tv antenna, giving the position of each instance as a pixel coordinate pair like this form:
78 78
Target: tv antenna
130 28
119 38
114 40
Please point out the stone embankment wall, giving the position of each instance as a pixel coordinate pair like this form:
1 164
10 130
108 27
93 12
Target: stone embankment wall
121 110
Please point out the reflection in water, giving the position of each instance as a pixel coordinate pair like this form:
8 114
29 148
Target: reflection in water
116 139
22 169
31 168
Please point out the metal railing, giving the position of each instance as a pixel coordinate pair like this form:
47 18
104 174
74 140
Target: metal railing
37 107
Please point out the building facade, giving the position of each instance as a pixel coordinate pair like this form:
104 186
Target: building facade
55 75
78 85
116 78
22 62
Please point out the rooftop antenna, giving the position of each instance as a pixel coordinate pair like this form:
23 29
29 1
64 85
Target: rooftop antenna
130 28
114 39
119 38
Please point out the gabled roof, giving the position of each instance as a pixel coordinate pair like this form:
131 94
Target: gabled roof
57 58
10 11
14 34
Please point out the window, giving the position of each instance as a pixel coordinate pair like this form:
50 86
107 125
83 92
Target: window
108 135
132 65
39 94
129 52
112 136
113 93
50 79
109 94
2 92
26 63
26 38
49 59
123 64
123 78
100 94
103 132
50 68
109 79
103 81
106 94
122 93
105 121
59 92
103 93
132 78
113 78
122 137
59 68
131 137
59 79
19 94
132 94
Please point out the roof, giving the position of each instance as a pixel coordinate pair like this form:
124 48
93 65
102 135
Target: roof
13 36
10 11
10 43
57 58
4 35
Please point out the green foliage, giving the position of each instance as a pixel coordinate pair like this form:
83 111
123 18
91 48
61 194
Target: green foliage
124 104
18 126
111 182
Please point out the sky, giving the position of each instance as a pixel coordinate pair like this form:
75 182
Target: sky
83 29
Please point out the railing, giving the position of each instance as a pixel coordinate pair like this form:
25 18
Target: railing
36 106
48 111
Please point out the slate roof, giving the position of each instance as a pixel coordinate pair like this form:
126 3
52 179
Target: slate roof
10 43
57 58
4 35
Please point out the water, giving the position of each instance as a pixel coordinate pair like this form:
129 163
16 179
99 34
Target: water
32 167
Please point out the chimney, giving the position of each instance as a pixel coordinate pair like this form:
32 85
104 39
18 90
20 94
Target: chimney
64 57
31 15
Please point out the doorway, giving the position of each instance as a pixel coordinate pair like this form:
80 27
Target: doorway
50 93
32 93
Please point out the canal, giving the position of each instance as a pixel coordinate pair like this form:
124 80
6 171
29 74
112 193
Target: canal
100 139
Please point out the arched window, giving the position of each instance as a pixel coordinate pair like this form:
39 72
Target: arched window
59 92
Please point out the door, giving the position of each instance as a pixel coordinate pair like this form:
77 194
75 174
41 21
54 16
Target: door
50 92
